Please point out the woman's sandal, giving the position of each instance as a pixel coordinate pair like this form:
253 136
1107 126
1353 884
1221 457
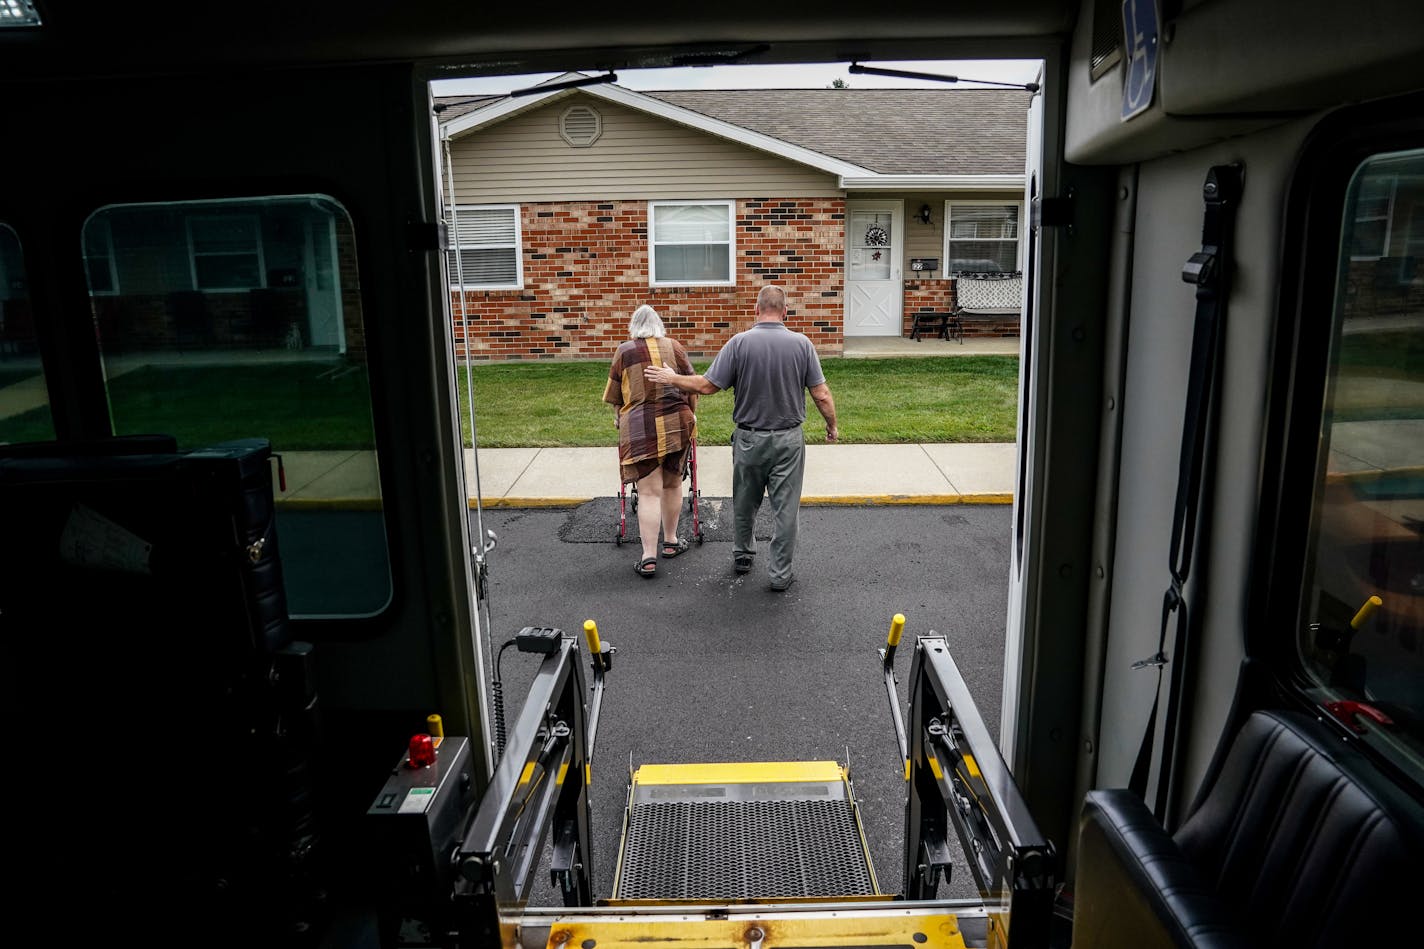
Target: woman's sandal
647 567
673 548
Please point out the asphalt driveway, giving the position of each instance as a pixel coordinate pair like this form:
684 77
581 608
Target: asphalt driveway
712 666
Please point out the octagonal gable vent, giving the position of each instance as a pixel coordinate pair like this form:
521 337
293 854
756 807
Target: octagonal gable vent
580 126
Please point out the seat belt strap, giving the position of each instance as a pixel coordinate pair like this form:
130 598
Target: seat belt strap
1209 270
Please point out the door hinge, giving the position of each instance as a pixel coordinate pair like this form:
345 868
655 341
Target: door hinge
1052 212
426 235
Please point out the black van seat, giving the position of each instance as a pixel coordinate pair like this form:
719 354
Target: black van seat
1297 841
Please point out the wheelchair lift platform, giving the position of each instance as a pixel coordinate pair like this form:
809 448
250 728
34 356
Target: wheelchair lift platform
726 832
761 855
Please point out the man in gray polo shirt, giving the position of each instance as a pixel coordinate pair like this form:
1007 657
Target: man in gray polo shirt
769 368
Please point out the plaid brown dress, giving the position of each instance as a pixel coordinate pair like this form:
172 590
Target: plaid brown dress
655 424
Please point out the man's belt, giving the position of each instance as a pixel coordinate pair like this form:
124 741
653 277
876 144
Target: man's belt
752 428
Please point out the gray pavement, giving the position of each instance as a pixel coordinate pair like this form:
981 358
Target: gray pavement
714 666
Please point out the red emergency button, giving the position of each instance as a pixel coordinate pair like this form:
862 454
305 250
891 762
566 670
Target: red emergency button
422 751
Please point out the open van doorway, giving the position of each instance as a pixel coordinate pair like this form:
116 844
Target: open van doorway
572 203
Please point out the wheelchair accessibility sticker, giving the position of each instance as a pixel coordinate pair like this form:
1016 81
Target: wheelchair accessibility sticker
1139 29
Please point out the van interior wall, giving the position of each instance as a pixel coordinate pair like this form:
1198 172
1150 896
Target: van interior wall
360 136
1243 82
1168 232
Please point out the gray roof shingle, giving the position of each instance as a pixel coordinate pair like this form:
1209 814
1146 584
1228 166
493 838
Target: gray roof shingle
449 108
891 131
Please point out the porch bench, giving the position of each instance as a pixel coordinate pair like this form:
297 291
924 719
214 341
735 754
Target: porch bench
983 298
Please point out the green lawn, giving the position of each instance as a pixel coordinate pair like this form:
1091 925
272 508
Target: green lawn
294 405
878 401
9 377
298 406
1380 376
1395 354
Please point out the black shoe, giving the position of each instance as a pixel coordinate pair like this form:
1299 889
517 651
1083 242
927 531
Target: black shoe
783 587
742 563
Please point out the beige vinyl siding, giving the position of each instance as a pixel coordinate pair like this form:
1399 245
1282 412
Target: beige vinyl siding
524 159
927 240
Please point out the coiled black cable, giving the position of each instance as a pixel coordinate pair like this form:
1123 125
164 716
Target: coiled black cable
497 691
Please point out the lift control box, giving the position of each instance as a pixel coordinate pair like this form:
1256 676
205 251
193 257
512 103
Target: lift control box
415 822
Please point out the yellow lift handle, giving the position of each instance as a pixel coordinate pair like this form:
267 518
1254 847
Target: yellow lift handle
887 660
1366 611
897 629
595 645
435 726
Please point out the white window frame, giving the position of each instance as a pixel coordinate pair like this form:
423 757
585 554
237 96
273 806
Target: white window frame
1387 217
454 276
949 207
4 271
193 252
108 256
731 280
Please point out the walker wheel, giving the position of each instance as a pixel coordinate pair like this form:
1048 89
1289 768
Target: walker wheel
618 538
699 538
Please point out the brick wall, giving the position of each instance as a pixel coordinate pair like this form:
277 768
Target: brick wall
586 271
925 296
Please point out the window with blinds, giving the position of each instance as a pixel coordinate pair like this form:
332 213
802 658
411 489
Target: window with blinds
981 237
691 243
483 250
225 252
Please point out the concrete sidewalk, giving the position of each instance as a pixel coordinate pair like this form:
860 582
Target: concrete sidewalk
553 477
835 474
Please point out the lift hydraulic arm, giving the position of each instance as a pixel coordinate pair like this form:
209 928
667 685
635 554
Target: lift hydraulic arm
956 776
541 782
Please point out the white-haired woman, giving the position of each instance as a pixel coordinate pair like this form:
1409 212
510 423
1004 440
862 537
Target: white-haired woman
655 431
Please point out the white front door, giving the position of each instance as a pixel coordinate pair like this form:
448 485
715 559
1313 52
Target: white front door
325 326
874 231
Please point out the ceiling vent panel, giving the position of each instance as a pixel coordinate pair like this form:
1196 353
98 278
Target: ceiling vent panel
1107 37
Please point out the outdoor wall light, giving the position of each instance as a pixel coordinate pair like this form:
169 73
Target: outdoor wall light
924 214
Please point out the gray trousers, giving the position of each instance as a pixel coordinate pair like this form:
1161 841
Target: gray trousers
774 463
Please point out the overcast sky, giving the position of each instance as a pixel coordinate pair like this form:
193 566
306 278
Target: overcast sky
771 77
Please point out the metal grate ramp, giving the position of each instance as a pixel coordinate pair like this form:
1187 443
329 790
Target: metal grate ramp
757 831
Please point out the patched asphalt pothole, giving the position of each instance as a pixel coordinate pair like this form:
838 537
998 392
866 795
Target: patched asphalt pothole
596 522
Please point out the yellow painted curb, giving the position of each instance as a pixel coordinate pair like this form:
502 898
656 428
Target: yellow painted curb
529 502
880 499
1374 474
